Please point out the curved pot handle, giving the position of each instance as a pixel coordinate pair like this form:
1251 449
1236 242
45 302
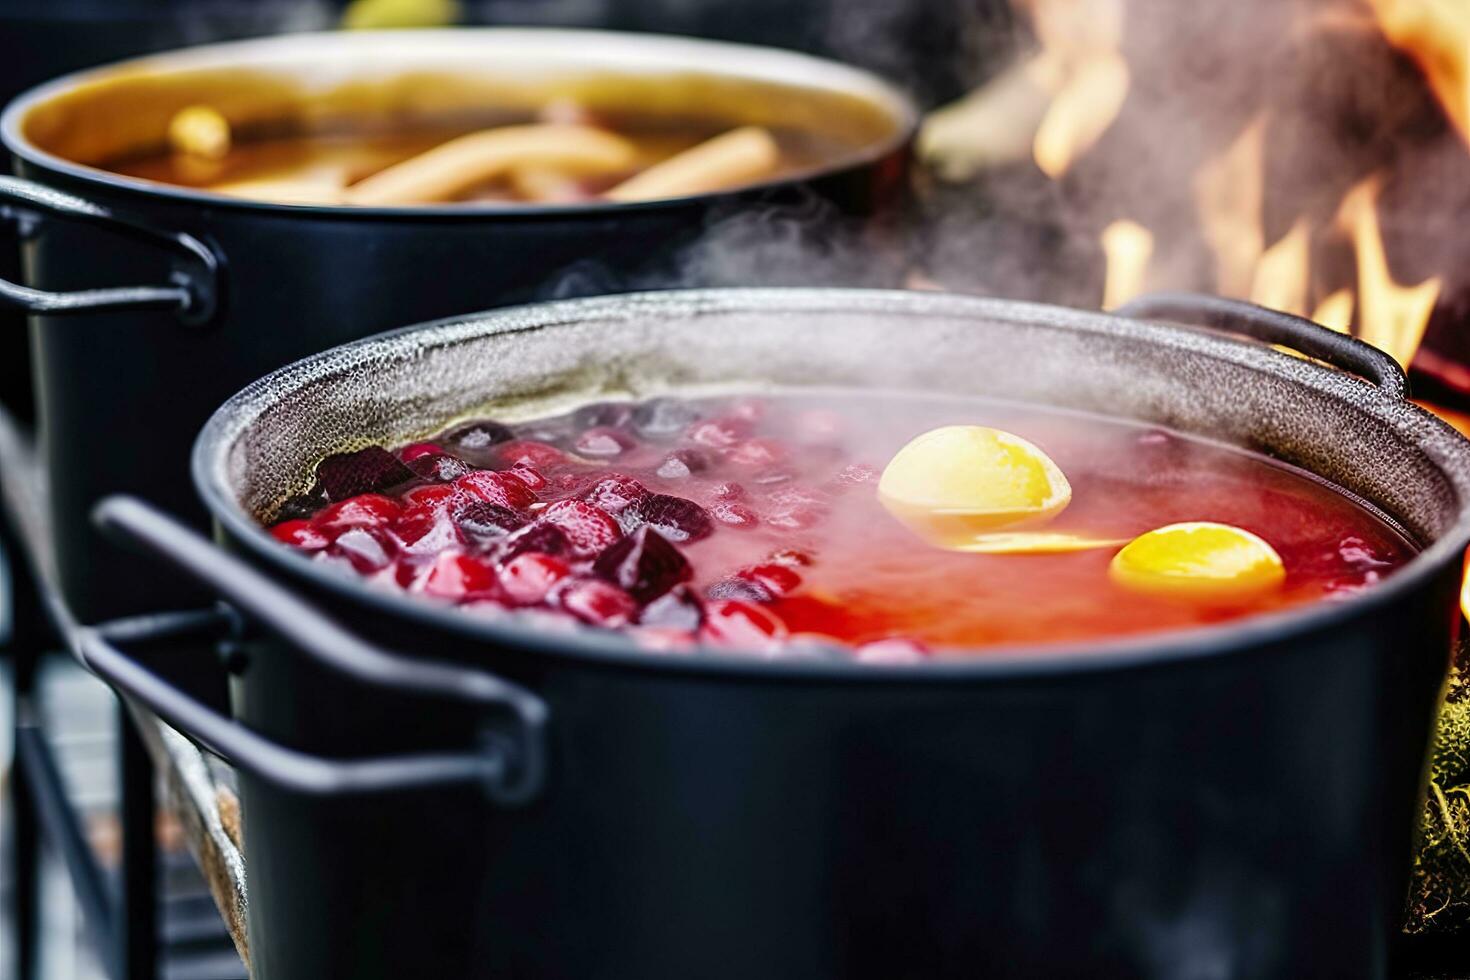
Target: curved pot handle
251 752
192 292
1274 327
318 636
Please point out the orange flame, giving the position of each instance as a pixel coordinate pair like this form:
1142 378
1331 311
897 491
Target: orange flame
1082 38
1128 247
1229 192
1436 34
1282 275
1335 312
1390 316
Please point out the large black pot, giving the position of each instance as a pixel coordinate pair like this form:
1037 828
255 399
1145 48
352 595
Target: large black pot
41 39
243 287
461 797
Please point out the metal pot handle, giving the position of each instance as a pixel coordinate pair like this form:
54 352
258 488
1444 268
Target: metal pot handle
251 752
192 293
1274 327
516 776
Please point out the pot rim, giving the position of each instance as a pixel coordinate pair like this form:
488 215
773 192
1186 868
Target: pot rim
628 48
1442 445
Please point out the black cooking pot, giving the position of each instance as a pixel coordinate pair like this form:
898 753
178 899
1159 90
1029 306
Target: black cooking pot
462 797
42 39
243 287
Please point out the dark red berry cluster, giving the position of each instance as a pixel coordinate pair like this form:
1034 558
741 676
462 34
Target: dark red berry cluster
586 517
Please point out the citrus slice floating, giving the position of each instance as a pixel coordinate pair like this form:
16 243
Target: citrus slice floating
1034 543
1199 559
955 484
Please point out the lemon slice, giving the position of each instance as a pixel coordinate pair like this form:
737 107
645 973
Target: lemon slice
954 484
1034 543
1199 559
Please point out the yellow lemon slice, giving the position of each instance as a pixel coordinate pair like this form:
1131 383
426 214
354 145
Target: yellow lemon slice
1199 559
952 485
1034 543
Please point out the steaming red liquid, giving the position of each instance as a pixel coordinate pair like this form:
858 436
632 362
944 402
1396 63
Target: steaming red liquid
799 544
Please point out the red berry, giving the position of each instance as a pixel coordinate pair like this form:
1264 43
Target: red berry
370 470
529 476
675 518
456 576
497 488
602 441
366 510
589 529
439 467
436 495
597 602
719 433
679 608
412 452
368 549
614 493
424 529
643 564
484 521
300 534
527 578
731 514
778 580
791 557
548 539
527 452
682 463
410 570
731 622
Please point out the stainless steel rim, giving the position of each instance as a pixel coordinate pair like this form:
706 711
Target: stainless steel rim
1440 444
610 48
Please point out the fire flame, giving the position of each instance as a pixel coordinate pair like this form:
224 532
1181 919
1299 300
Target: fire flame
1060 99
1229 192
1282 274
1128 247
1082 38
1436 34
1335 312
1390 316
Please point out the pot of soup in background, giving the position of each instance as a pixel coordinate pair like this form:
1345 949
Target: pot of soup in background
793 633
204 216
47 38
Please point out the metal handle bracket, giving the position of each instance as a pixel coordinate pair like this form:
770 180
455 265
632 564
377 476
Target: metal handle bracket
1274 327
515 777
192 292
